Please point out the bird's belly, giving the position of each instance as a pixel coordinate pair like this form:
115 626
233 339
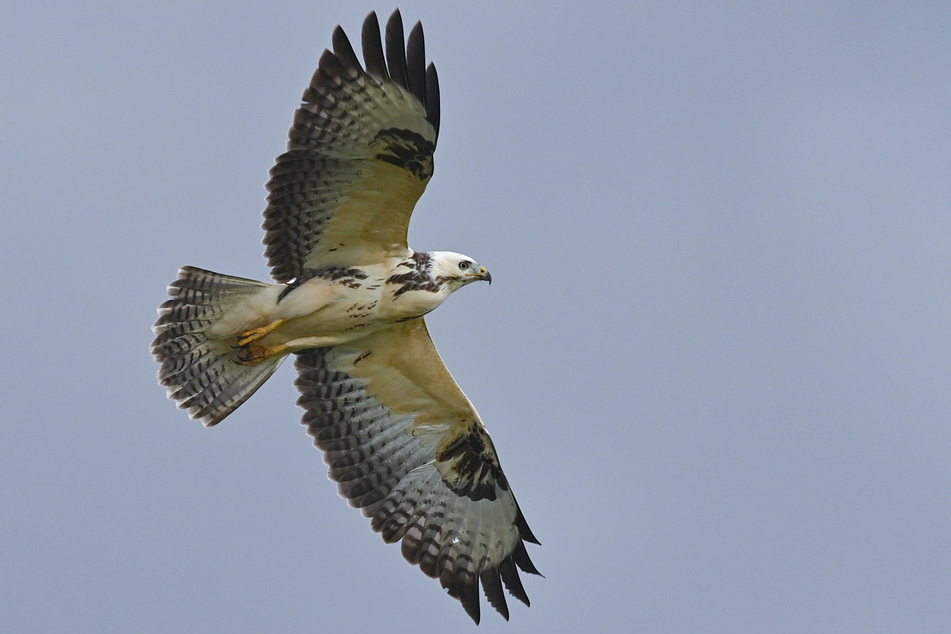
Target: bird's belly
332 325
326 316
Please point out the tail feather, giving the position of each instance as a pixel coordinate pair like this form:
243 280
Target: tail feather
201 372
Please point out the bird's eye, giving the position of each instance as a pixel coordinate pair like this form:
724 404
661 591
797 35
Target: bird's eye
463 265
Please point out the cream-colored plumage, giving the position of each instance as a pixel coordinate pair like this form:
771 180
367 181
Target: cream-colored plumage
401 439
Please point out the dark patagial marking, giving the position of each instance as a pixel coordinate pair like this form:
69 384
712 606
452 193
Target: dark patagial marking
348 276
418 278
406 149
473 460
335 273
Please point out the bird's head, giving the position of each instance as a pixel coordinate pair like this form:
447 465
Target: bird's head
457 270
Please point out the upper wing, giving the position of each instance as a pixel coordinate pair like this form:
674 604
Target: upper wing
359 156
406 446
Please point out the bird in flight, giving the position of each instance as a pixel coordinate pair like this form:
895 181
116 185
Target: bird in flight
402 441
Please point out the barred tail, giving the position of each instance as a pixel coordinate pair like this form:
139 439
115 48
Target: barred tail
200 371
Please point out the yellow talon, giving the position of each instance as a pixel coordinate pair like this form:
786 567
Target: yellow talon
256 333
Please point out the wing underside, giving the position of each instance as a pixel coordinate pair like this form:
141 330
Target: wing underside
359 155
406 446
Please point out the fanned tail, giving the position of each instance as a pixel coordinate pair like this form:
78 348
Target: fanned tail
202 373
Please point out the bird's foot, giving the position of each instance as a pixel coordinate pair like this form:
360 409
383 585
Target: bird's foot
254 334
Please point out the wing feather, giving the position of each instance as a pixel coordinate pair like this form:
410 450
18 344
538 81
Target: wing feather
416 63
492 584
395 53
344 50
432 96
373 48
406 446
359 156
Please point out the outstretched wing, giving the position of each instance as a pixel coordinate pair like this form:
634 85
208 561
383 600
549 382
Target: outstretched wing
359 156
406 446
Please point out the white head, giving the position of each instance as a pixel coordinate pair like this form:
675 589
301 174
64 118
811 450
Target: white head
456 270
423 281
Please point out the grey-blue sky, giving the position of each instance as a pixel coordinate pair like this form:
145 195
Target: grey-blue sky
715 358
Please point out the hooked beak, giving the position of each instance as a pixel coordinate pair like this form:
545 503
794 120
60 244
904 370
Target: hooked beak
481 275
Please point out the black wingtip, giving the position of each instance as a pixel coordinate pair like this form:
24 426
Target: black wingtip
470 603
513 582
395 49
492 586
465 588
373 48
522 560
344 50
523 530
416 63
432 96
405 63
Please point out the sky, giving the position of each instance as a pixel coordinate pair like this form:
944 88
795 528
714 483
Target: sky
715 358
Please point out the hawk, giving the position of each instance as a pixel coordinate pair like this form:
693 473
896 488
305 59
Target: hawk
402 441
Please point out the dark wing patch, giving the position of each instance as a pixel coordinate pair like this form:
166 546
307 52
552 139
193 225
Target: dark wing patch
470 467
406 149
330 199
435 486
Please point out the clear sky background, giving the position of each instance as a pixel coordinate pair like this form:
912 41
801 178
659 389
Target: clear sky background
715 358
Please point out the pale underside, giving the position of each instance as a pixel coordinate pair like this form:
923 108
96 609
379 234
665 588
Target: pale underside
402 440
358 159
407 447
